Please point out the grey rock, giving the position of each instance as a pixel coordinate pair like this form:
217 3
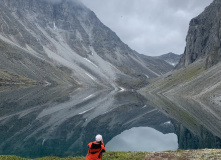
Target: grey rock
204 37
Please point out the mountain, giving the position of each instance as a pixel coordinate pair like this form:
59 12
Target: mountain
171 58
63 42
203 38
65 77
191 93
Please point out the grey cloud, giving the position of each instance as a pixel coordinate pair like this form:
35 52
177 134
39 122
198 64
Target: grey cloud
151 27
157 141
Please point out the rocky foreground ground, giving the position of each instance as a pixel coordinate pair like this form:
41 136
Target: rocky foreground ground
211 154
204 154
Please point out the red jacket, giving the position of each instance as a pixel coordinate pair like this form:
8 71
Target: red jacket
95 151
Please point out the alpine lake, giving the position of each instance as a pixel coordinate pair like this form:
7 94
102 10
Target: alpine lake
55 121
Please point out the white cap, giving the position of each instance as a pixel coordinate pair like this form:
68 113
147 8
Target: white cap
98 138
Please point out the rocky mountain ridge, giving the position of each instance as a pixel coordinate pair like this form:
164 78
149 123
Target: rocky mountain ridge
69 35
171 58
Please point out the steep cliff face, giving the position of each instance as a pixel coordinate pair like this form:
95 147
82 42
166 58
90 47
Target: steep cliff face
66 33
204 37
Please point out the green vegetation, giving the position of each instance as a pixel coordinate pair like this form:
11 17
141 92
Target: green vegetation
203 154
179 77
10 79
123 155
44 158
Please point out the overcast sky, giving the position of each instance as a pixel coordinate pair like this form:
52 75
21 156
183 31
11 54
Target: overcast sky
151 27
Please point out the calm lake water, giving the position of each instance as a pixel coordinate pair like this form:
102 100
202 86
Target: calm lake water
45 121
143 139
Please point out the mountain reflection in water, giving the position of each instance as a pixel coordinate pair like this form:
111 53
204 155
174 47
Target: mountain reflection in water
44 121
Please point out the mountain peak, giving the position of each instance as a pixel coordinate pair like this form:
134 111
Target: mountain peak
171 58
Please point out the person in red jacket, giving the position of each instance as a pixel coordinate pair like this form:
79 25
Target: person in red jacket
96 148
